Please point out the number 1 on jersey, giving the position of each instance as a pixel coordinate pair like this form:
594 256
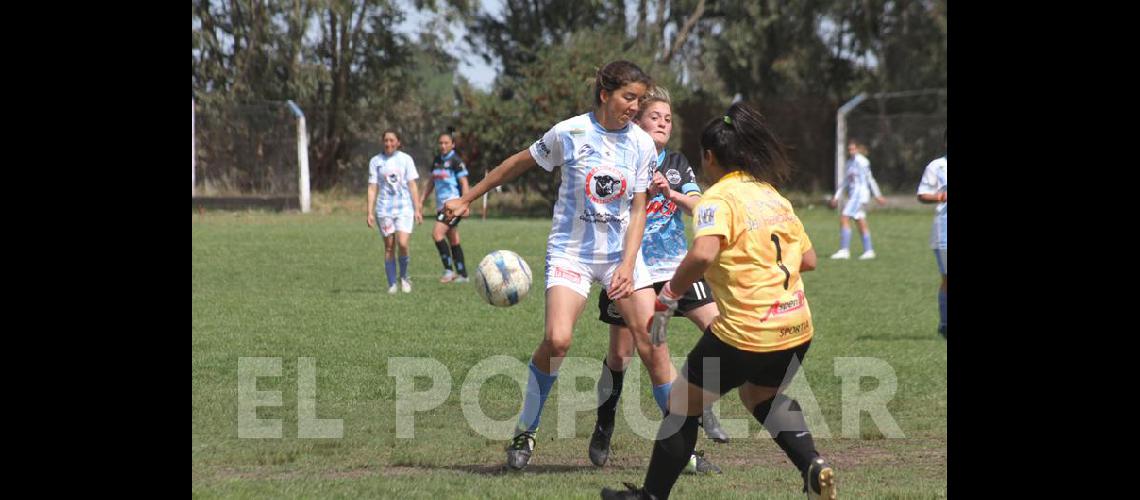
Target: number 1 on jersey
780 260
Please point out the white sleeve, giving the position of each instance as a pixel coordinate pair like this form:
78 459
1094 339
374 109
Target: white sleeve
547 151
871 181
646 164
929 182
373 170
410 173
842 185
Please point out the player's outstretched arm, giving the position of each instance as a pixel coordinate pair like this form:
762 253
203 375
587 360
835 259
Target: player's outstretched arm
507 171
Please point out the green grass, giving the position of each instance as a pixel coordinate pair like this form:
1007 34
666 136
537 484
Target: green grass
291 286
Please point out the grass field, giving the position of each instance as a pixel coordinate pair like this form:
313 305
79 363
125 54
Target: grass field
293 286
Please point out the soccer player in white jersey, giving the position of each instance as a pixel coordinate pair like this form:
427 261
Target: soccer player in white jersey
860 185
392 197
932 189
449 181
673 189
599 220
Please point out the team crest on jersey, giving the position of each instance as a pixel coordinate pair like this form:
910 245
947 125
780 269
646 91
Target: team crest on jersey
706 216
605 184
673 176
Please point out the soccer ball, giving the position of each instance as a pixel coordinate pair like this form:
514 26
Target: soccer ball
502 278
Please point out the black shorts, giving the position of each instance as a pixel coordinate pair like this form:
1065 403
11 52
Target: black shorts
768 369
698 295
450 223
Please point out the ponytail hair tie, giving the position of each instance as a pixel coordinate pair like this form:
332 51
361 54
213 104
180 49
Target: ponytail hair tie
727 120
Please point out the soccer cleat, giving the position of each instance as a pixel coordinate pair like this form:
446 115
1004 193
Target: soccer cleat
406 285
942 330
868 255
448 276
698 464
843 253
630 492
462 279
600 444
820 480
712 427
392 289
519 451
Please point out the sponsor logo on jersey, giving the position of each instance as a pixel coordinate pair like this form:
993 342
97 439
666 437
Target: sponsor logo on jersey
393 179
585 151
542 149
796 302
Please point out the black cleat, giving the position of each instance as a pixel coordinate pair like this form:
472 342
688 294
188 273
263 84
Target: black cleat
820 480
600 444
630 493
942 330
519 451
712 427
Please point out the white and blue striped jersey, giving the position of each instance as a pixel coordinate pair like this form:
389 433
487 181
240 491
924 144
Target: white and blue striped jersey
391 174
664 245
858 181
934 182
446 171
601 171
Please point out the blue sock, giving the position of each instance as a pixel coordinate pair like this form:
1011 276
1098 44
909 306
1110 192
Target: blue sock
867 242
844 237
661 394
404 266
942 307
537 389
390 271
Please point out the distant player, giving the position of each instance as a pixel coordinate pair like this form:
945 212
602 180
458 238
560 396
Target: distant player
392 204
932 189
449 180
860 186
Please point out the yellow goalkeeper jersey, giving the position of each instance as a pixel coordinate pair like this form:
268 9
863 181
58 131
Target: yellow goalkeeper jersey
756 276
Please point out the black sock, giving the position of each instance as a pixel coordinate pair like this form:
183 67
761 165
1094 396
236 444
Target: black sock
608 394
444 254
670 453
783 419
460 266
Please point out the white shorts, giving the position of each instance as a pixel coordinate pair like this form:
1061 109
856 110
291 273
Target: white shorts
389 225
578 276
855 209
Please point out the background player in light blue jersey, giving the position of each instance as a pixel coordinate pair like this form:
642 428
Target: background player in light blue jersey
932 189
596 232
449 180
673 189
392 197
859 185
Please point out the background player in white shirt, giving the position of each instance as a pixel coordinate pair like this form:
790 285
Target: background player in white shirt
932 189
392 197
596 231
859 185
